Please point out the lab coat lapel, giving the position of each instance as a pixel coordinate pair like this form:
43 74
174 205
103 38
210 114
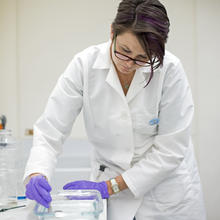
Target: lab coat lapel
138 83
113 81
103 61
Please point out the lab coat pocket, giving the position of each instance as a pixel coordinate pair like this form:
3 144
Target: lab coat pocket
143 128
172 191
145 123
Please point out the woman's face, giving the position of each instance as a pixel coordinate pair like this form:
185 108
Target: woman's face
127 44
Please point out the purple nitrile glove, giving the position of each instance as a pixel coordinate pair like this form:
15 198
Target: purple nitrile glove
84 184
38 189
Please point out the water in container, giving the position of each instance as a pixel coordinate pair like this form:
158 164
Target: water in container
72 205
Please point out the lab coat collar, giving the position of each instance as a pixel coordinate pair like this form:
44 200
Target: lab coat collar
137 85
103 60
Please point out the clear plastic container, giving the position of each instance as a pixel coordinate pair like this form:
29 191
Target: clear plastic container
72 205
8 173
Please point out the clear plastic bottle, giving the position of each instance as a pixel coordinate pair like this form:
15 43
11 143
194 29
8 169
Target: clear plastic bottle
8 171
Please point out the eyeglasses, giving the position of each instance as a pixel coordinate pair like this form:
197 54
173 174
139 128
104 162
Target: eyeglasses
127 58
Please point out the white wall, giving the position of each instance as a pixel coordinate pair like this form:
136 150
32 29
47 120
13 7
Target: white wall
8 74
39 38
49 33
208 101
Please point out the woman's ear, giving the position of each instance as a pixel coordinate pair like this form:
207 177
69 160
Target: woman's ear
111 34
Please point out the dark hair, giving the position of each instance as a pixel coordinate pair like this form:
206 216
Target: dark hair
148 20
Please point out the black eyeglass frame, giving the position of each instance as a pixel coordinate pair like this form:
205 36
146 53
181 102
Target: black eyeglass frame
127 58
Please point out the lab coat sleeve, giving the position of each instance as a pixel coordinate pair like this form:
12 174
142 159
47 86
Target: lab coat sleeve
55 124
173 139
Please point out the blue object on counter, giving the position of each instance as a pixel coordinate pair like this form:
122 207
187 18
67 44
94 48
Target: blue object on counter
21 197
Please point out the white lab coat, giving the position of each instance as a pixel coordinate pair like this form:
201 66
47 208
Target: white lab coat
156 160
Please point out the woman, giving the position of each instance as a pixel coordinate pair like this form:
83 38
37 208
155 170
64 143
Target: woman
138 109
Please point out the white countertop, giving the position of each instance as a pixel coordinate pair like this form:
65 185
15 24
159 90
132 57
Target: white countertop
26 213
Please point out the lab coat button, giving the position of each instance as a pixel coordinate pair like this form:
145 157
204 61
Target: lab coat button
124 116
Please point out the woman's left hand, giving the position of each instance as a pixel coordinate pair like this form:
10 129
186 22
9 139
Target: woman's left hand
85 184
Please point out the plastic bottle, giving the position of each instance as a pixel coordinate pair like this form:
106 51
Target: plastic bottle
8 171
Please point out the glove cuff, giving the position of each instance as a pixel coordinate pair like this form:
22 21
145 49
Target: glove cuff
104 190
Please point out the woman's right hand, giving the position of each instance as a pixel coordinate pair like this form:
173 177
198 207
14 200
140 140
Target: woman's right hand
38 189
